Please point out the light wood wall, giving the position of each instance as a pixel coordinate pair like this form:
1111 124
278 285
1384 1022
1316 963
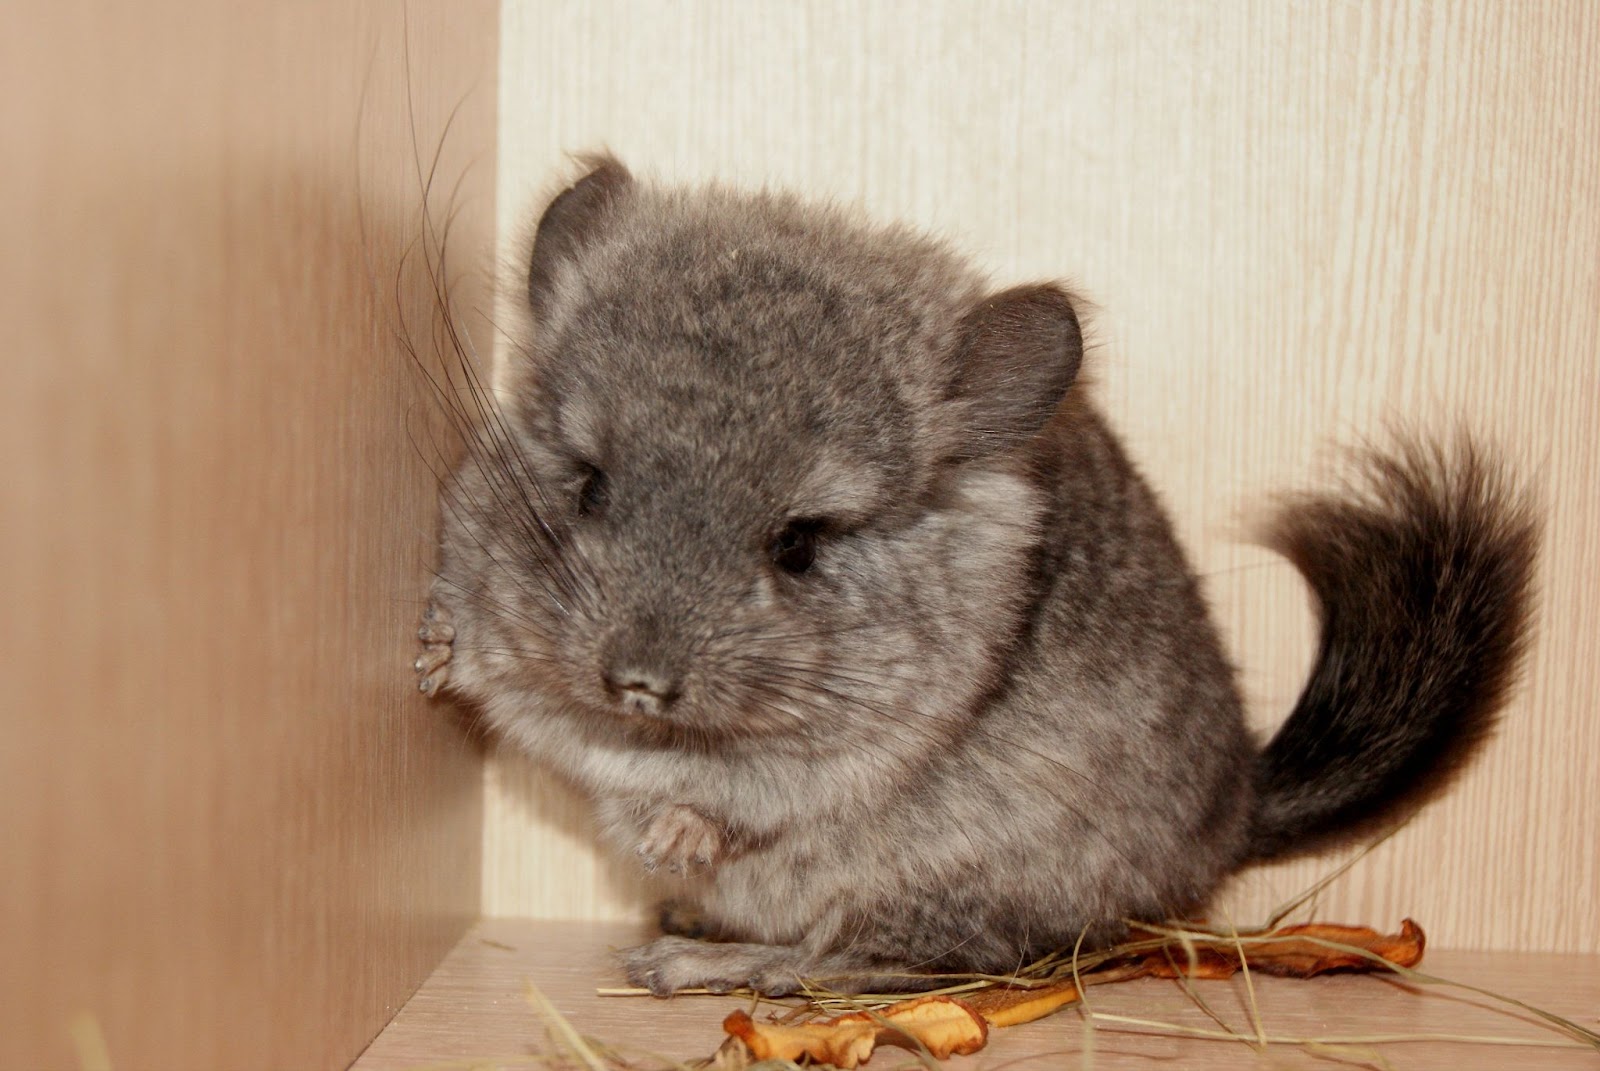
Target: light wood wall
231 833
1299 220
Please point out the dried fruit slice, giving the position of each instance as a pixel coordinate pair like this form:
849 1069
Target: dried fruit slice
942 1025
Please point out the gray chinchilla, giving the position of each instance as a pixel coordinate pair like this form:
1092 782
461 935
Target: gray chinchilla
794 545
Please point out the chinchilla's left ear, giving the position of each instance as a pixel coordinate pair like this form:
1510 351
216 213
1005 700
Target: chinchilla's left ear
1018 352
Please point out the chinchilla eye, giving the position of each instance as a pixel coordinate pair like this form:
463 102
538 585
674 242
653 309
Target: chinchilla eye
592 492
795 547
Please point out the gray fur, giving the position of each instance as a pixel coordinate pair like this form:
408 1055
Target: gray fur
991 717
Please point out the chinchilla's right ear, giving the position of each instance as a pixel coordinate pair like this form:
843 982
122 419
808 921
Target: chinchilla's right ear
573 220
1019 352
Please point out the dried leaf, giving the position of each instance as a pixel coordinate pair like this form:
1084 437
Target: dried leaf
942 1025
1294 951
1004 1006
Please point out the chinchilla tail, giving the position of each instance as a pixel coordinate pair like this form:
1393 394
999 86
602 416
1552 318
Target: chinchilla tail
1423 574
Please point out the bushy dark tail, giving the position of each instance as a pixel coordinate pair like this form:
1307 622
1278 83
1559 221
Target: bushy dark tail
1424 577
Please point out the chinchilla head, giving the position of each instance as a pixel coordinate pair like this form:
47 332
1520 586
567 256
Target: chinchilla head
761 474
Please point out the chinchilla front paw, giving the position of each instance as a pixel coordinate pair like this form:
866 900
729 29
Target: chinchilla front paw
682 840
438 638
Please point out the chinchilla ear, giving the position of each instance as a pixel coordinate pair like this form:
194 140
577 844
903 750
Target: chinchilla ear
572 221
1019 351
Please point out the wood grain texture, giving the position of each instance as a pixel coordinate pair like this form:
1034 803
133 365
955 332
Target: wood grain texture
231 833
1299 221
474 1012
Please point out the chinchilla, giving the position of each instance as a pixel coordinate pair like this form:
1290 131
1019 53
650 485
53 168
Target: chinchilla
801 550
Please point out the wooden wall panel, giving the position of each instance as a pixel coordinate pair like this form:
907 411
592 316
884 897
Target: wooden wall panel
1299 220
231 833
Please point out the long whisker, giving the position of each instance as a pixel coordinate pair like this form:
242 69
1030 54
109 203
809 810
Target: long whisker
492 606
469 408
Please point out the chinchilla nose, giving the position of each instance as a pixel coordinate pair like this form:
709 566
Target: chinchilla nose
642 661
640 688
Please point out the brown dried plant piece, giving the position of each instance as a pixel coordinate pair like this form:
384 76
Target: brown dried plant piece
1292 951
942 1025
1012 1006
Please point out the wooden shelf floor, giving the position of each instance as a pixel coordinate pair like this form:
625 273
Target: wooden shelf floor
472 1013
